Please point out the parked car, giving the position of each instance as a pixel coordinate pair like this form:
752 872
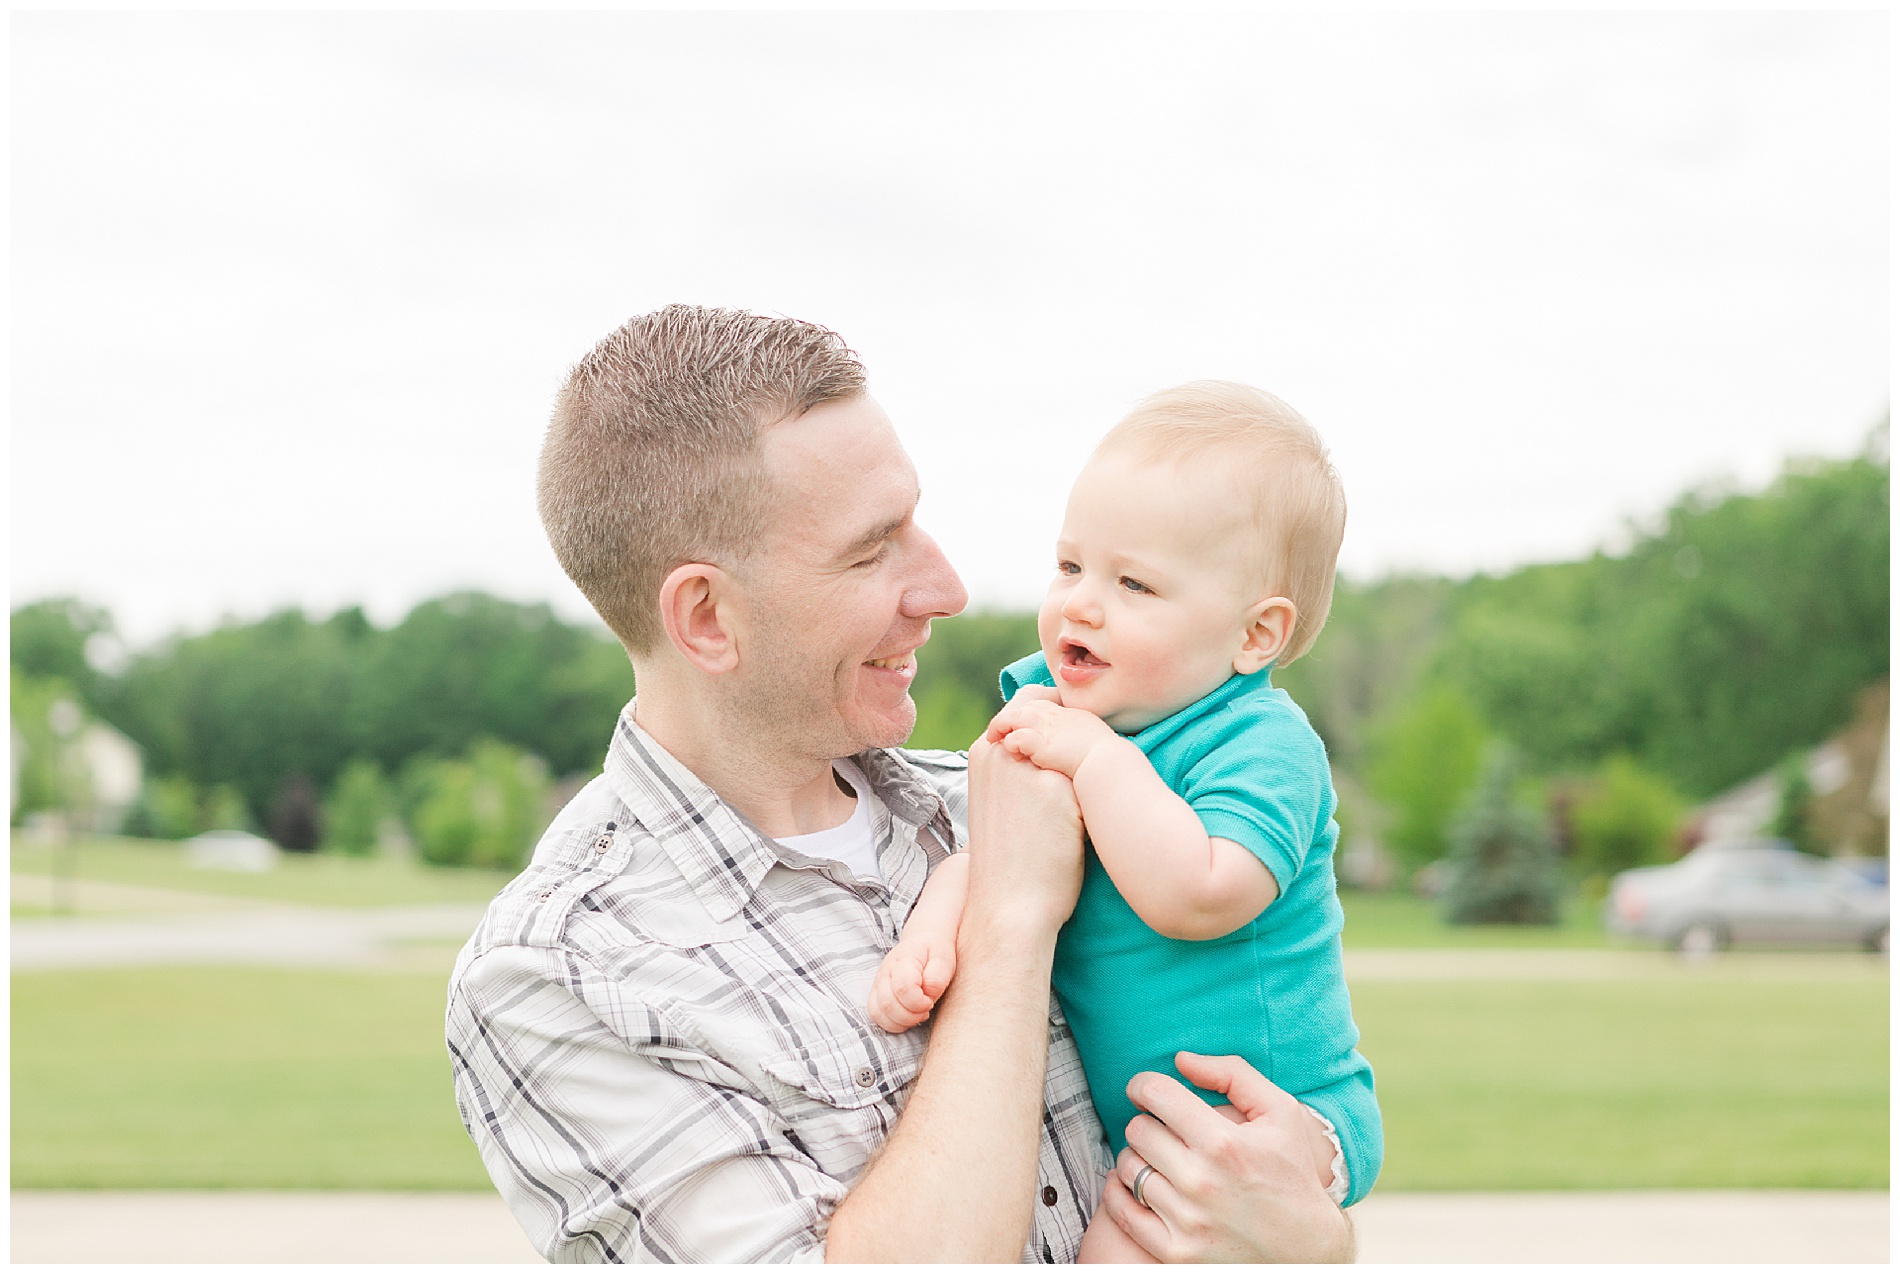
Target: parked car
1748 891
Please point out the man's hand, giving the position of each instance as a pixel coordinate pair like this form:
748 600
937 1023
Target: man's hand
1224 1189
1025 844
957 1179
1036 727
912 977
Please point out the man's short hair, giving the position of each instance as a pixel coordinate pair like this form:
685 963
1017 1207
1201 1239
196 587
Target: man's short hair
1281 467
652 457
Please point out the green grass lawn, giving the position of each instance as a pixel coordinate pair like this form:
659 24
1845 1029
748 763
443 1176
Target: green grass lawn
280 1079
1599 1085
1402 919
319 879
255 1078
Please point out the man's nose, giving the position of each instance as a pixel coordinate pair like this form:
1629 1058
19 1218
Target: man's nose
936 591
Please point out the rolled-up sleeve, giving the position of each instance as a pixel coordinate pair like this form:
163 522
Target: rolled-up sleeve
611 1138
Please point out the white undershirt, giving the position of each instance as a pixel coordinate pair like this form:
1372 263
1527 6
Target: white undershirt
851 842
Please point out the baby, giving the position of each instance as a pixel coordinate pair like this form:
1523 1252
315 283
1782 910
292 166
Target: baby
1196 554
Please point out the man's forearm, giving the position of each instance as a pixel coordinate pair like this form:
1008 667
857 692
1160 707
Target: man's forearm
956 1181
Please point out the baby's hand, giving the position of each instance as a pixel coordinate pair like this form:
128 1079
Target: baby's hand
912 978
1037 728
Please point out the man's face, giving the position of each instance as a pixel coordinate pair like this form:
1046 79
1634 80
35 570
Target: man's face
842 590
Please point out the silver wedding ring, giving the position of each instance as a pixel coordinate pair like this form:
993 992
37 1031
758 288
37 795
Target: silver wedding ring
1141 1179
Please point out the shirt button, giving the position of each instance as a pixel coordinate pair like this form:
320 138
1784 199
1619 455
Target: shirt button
604 844
865 1077
1049 1195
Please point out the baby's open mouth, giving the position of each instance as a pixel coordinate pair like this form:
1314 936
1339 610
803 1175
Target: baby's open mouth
1076 655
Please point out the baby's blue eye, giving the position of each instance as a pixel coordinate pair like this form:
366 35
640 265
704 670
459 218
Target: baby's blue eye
1068 568
1134 585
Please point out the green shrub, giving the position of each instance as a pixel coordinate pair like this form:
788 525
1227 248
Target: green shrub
359 801
1424 759
1624 817
224 807
1793 805
485 810
167 809
42 782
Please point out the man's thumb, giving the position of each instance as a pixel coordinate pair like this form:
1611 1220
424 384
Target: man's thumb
1251 1093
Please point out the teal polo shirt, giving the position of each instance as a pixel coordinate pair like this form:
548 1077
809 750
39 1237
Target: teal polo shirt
1274 990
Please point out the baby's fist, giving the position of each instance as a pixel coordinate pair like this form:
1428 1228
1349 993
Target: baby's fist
913 976
1042 731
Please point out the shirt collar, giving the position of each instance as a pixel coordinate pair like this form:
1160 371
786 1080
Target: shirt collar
720 852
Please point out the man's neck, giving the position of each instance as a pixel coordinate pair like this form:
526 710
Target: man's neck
784 794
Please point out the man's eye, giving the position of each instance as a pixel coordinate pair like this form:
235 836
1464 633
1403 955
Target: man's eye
1134 585
878 556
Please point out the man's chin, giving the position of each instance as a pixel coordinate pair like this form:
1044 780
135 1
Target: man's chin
889 729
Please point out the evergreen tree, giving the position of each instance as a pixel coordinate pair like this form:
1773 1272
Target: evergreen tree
1503 865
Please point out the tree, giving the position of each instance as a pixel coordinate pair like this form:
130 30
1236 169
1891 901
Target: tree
956 688
1737 628
471 666
1423 761
296 817
1368 660
1503 865
252 705
49 638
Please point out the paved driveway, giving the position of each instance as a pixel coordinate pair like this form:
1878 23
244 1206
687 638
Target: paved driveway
263 935
161 927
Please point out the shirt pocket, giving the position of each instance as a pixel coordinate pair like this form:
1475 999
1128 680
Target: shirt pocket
839 1062
840 1089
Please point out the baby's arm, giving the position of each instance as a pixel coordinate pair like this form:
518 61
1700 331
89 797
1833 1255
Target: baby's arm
1182 882
916 971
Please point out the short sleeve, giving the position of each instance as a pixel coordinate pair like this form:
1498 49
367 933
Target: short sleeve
1263 784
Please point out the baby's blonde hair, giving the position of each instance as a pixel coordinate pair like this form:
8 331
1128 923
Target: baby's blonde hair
1281 467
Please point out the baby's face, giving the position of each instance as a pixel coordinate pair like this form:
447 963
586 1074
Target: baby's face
1149 605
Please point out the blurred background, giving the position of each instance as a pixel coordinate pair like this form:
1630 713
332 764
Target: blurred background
1593 310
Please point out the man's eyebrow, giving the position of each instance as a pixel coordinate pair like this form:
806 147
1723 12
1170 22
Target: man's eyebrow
876 535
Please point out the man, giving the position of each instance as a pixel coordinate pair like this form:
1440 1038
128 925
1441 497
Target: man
659 1032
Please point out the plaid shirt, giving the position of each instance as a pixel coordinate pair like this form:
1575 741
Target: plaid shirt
659 1033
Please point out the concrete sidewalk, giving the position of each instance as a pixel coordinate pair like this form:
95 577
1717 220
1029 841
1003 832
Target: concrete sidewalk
1667 1226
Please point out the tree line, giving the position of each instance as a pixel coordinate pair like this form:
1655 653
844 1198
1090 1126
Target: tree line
1734 630
261 722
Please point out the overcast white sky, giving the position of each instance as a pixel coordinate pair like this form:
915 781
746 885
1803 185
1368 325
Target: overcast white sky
291 294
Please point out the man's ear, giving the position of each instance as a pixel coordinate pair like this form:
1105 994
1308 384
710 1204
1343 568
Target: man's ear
702 609
1269 628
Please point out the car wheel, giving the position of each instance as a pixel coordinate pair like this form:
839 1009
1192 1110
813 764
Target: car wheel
1877 941
1700 938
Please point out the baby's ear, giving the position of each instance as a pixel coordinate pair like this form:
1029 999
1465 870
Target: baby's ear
1269 629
